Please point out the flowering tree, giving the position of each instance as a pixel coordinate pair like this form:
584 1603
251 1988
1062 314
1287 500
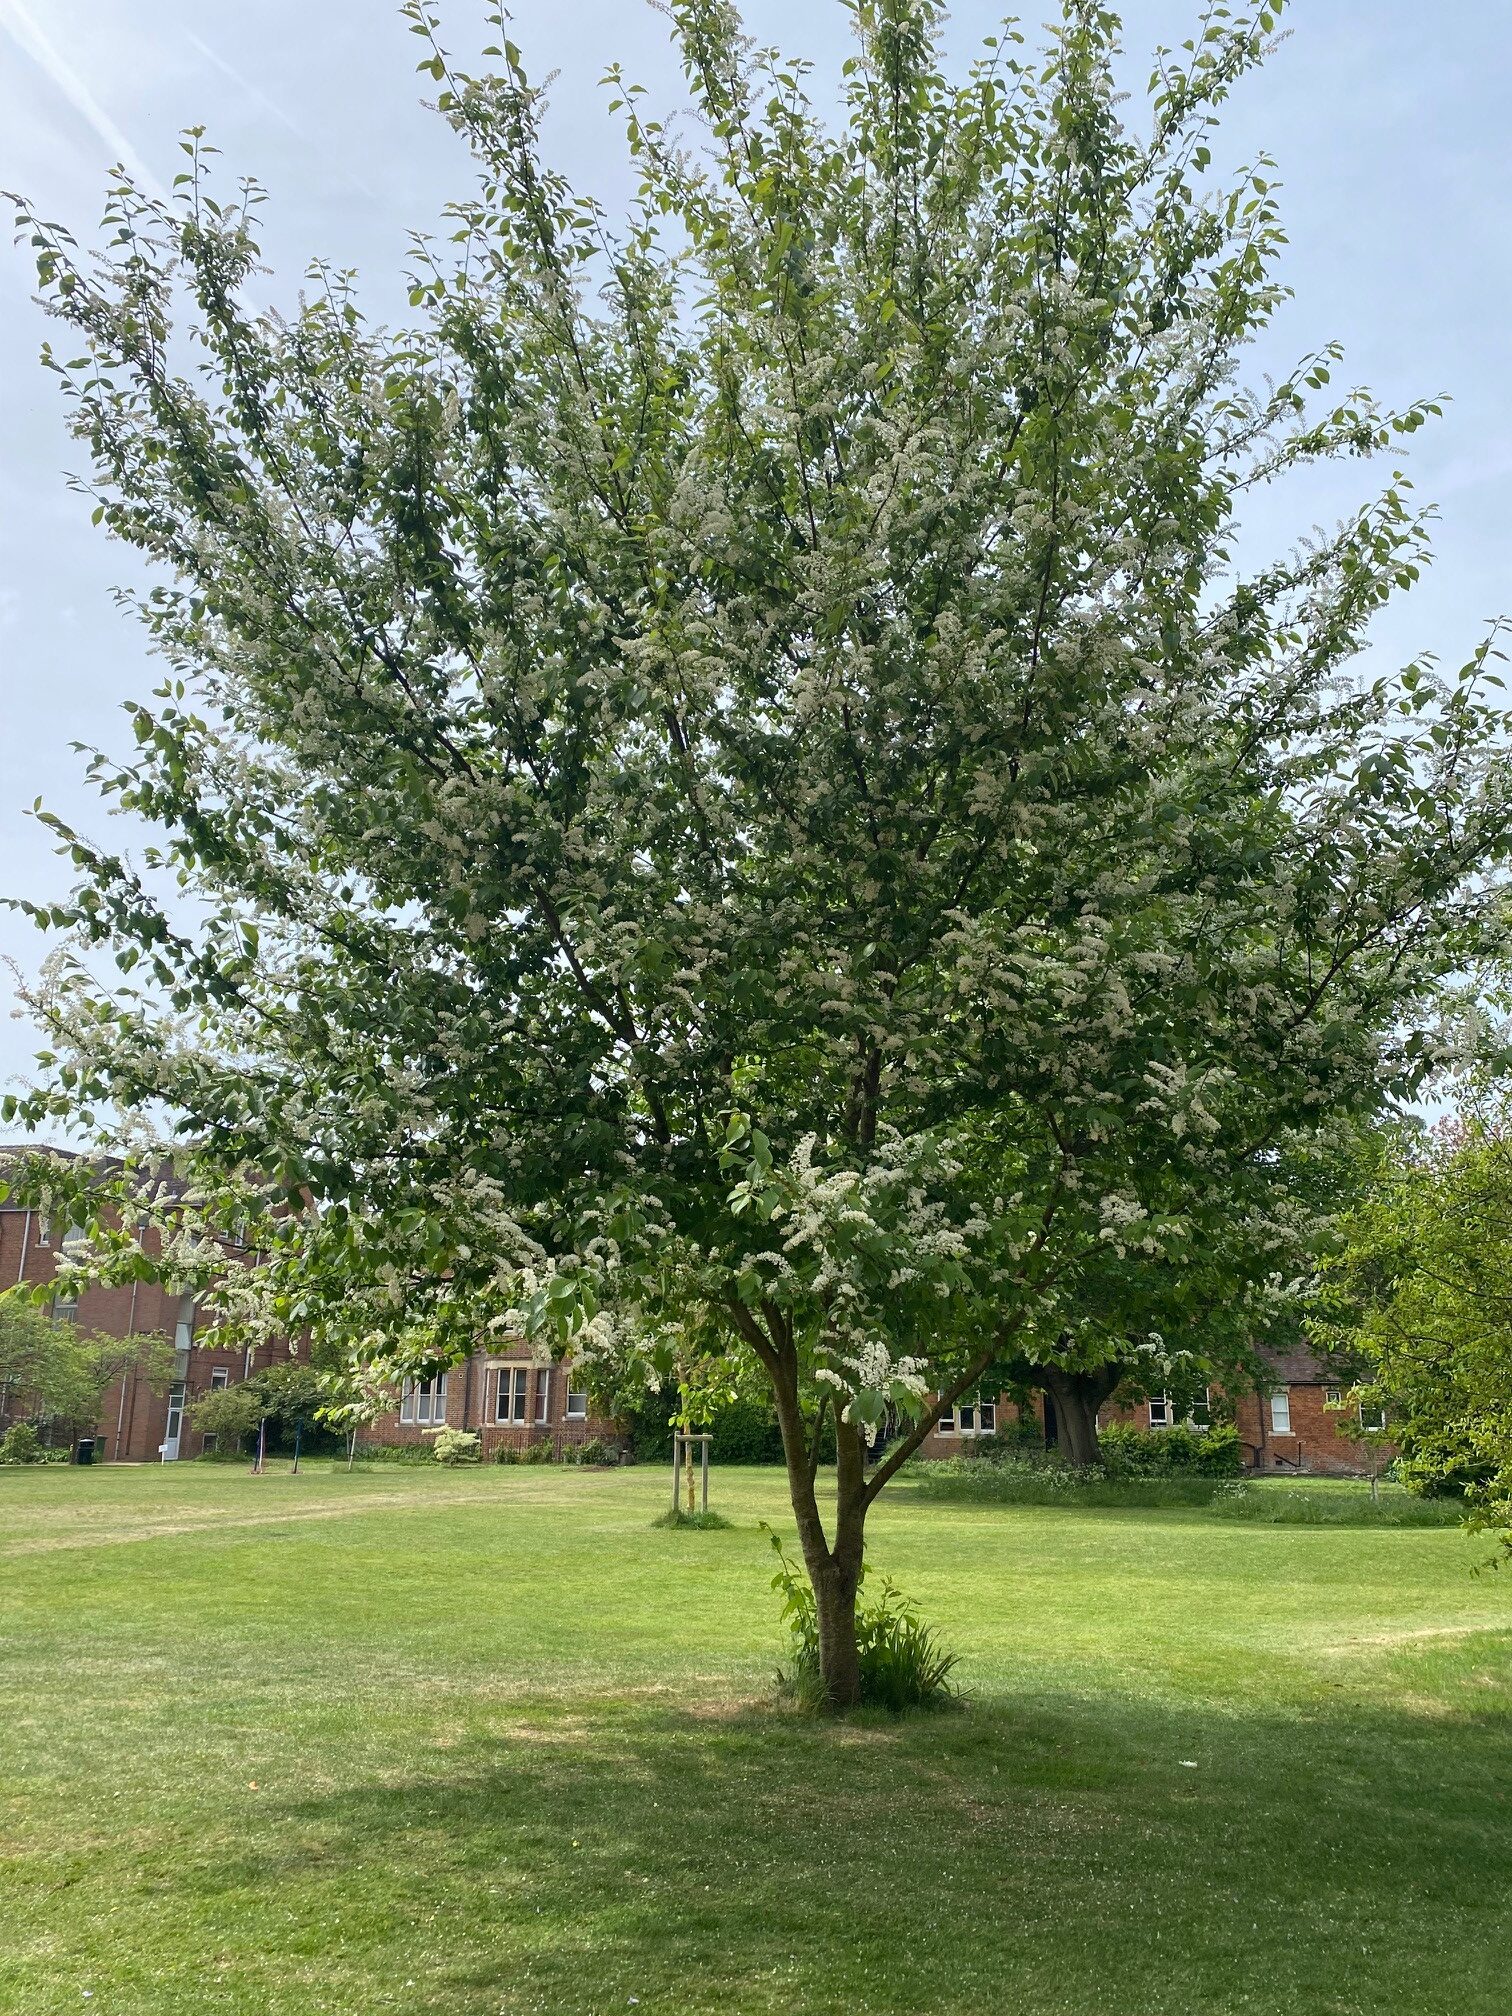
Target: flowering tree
737 797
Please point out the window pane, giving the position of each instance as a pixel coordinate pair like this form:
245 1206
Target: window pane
543 1395
577 1406
1160 1412
947 1423
1280 1413
989 1416
968 1420
501 1396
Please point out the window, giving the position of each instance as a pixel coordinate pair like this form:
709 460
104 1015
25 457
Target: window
74 1237
1160 1411
543 1396
969 1417
509 1403
1200 1414
1371 1416
577 1405
424 1403
66 1306
44 1229
210 1441
183 1329
1333 1396
1280 1413
220 1378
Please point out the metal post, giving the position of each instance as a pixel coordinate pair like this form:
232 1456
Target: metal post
298 1431
262 1444
352 1451
705 1440
676 1463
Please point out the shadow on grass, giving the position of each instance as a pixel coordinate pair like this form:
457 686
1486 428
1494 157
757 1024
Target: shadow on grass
1061 1856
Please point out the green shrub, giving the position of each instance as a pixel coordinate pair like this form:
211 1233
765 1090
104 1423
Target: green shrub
1029 1481
902 1665
1179 1451
21 1445
456 1445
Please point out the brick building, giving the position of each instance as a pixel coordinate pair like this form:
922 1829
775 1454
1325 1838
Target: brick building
140 1421
1289 1428
503 1397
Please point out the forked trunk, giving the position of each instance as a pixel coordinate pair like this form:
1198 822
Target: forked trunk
834 1570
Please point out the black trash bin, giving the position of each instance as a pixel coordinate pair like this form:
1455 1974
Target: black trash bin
84 1449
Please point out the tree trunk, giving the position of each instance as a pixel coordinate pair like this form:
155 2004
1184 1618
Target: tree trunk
1077 1397
839 1653
834 1571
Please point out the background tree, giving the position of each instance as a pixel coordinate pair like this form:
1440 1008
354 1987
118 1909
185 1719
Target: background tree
229 1413
52 1370
739 796
1421 1297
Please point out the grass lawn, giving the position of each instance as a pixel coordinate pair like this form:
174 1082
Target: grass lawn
485 1741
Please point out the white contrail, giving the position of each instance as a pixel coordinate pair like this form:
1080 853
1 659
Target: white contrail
260 98
17 21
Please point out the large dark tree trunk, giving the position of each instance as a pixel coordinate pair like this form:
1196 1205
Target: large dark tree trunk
1077 1397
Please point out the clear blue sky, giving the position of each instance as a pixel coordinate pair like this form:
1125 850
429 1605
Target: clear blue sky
1387 118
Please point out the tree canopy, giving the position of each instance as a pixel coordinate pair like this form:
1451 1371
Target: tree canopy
737 786
1421 1293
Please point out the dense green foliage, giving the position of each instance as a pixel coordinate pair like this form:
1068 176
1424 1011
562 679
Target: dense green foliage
1171 1452
54 1371
20 1444
1421 1298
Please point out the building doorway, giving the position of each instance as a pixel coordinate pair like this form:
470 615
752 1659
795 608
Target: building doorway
170 1448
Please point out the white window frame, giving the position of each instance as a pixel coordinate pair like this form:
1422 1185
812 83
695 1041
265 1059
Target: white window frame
183 1327
510 1396
43 1234
976 1417
220 1379
946 1425
1160 1410
1333 1396
1204 1409
542 1396
1280 1412
422 1402
1377 1423
577 1403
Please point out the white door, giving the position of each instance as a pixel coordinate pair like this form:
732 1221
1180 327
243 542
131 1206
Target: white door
170 1447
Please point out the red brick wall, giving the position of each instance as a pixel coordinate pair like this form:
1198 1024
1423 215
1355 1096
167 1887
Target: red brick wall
472 1405
133 1417
1314 1446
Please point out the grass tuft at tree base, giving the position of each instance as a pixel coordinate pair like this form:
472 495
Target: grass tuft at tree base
902 1663
701 1522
